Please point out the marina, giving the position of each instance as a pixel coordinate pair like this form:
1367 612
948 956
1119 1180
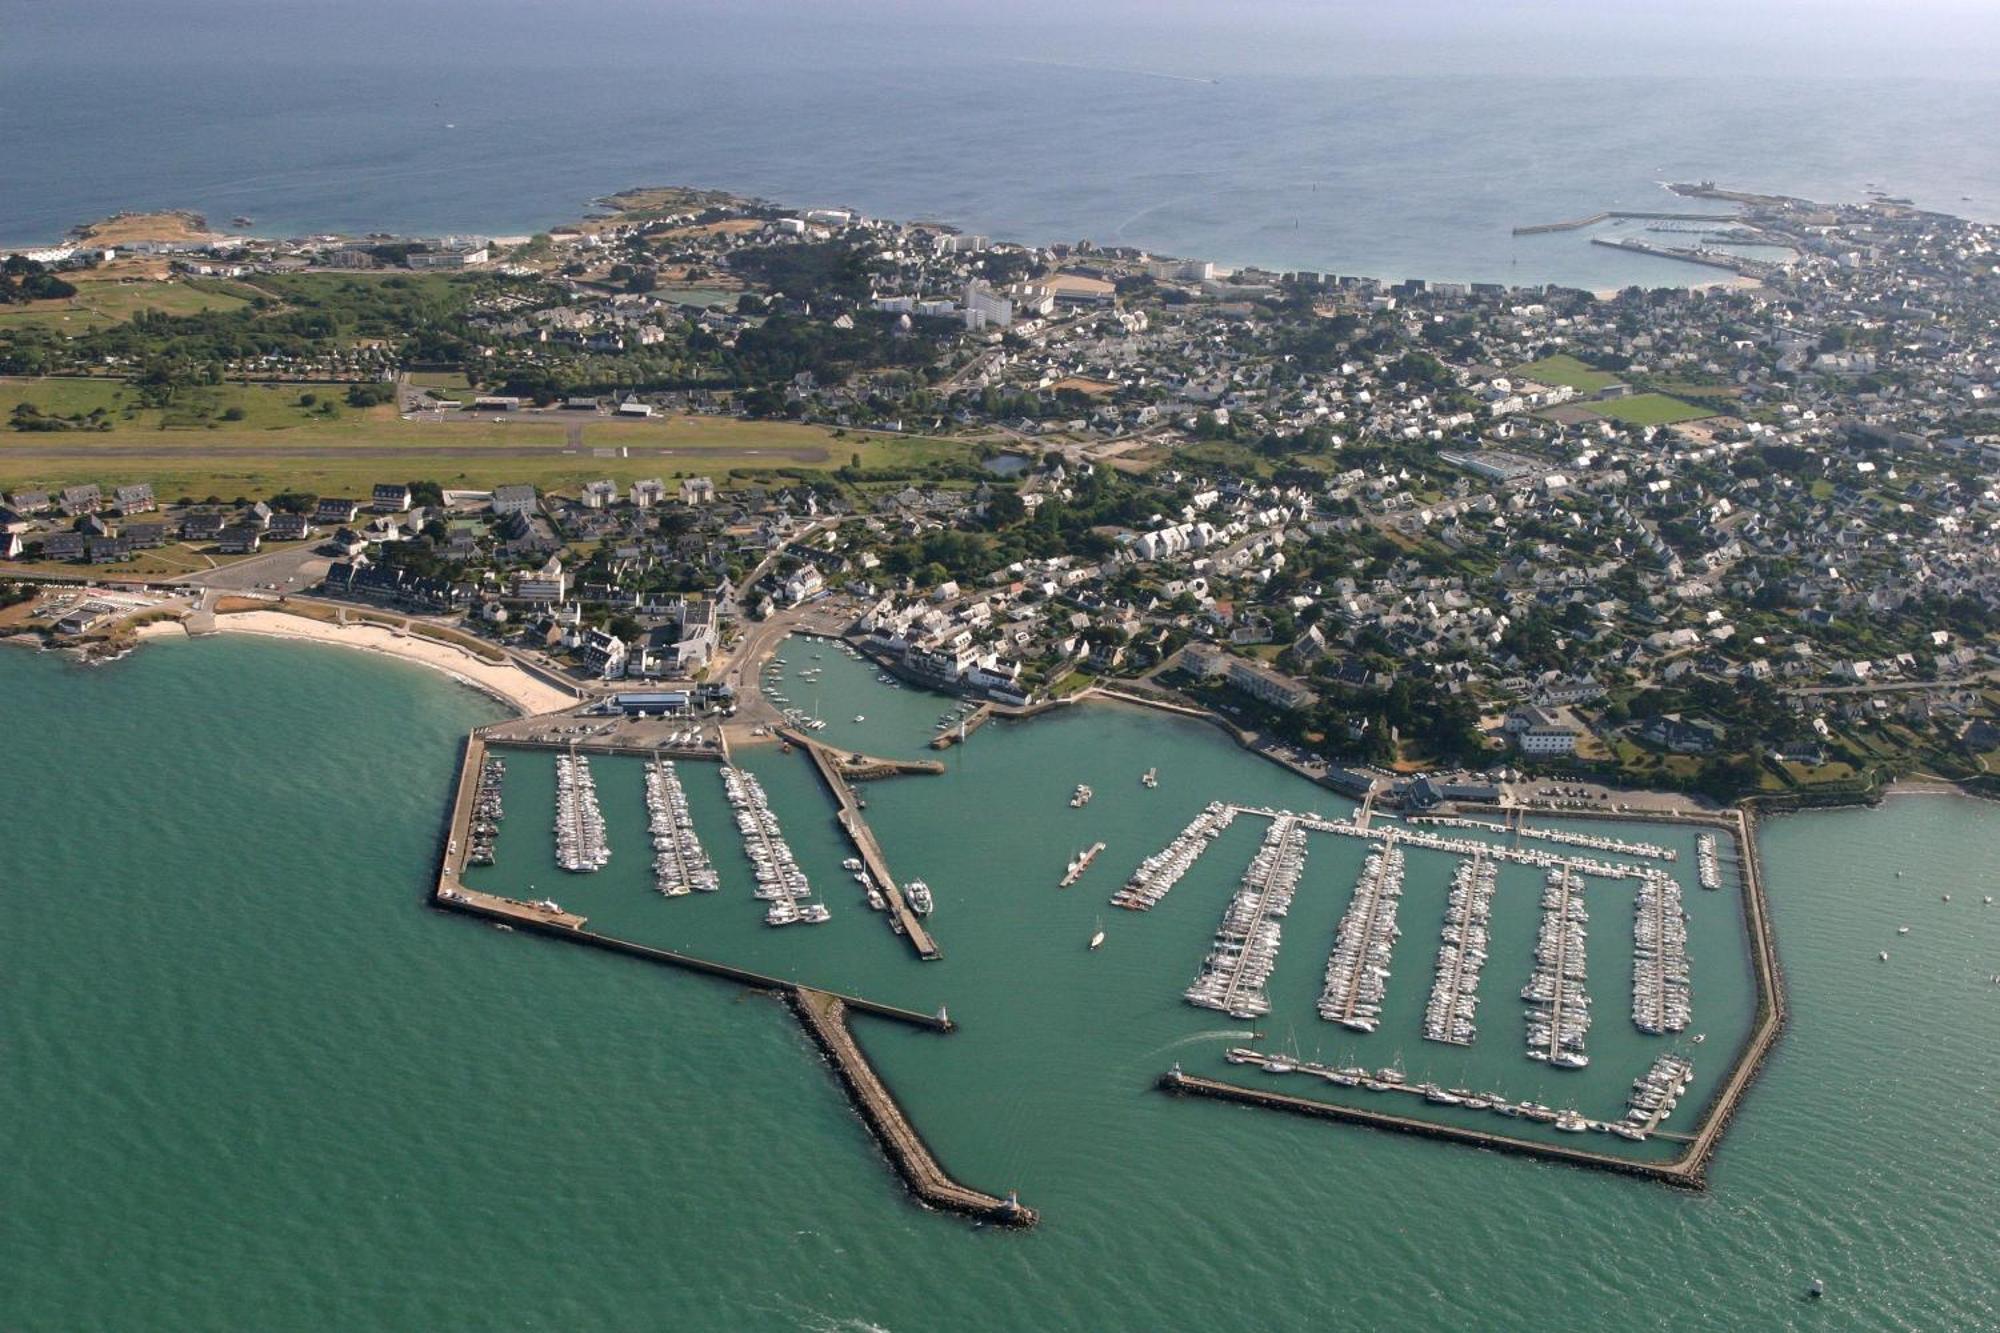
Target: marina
579 829
1260 987
1233 974
1357 971
1454 1002
1661 996
680 865
1164 868
487 812
1558 999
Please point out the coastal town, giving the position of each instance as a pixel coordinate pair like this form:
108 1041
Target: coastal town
1417 539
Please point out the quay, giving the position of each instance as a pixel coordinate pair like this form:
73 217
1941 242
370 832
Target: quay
970 723
863 838
825 1018
1685 1171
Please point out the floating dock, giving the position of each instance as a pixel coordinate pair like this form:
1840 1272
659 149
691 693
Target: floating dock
1080 864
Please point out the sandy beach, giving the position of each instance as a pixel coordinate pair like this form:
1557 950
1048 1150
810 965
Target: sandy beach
505 682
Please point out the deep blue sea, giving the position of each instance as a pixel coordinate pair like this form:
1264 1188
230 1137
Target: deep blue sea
1398 143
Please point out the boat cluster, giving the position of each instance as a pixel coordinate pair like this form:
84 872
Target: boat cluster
1164 868
1707 869
1595 840
1654 1094
780 882
852 865
1660 993
1245 952
955 717
1462 953
486 812
680 865
1558 1000
1393 1080
1080 797
580 842
1357 971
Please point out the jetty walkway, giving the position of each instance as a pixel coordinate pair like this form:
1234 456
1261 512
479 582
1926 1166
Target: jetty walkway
866 847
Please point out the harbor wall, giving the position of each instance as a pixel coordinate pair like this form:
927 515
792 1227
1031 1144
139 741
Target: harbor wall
824 1017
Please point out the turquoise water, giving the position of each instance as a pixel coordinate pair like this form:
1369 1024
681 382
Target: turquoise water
252 1082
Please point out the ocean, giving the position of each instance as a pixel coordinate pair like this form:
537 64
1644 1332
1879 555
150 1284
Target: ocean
1350 141
253 1081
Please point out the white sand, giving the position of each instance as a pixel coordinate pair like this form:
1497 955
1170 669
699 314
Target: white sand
504 681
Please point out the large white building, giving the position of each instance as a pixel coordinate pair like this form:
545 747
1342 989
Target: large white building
984 308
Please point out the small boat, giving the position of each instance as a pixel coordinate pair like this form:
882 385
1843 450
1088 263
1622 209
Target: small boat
1098 939
1902 930
1150 778
860 717
1884 955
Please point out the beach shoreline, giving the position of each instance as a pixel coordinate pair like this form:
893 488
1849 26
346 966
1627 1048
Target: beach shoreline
504 682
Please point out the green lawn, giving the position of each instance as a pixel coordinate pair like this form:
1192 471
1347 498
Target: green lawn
98 305
278 445
1566 369
1650 409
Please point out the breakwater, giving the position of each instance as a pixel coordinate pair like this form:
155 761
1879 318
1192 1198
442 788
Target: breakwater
1608 215
1677 1172
825 1018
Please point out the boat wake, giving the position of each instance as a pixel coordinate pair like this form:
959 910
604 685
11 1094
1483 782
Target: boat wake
1217 1034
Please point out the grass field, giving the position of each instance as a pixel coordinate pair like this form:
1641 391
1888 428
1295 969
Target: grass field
279 445
1650 409
1566 369
99 305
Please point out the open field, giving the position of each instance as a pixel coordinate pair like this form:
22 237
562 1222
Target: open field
100 303
279 445
1566 369
1650 409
